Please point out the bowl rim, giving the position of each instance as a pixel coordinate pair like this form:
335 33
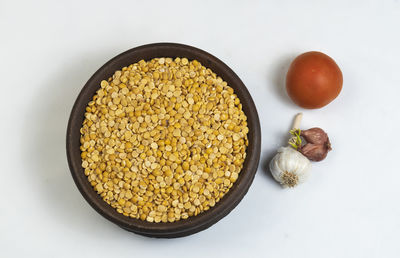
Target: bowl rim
192 224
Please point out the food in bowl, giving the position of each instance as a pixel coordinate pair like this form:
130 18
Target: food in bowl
163 140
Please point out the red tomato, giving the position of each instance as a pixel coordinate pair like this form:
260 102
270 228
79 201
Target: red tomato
313 80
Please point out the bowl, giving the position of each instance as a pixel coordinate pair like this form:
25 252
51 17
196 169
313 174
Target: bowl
192 224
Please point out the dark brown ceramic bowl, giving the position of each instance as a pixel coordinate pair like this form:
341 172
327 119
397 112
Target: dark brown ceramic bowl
192 224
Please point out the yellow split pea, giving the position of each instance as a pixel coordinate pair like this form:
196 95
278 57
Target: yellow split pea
163 140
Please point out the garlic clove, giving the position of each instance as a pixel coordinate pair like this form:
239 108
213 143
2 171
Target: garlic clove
289 167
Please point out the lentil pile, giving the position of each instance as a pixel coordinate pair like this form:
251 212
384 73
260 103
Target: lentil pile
163 140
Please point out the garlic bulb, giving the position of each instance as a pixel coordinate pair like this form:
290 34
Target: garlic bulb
289 167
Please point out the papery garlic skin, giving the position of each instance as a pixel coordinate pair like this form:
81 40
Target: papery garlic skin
289 167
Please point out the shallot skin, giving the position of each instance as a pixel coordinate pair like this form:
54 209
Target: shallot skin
317 146
315 135
314 152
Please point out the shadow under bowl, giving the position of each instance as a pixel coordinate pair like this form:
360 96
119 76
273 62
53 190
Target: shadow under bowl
192 224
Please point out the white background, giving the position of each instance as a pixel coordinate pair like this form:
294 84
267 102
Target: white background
350 207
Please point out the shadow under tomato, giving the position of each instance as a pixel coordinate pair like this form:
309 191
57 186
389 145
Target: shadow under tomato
278 78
